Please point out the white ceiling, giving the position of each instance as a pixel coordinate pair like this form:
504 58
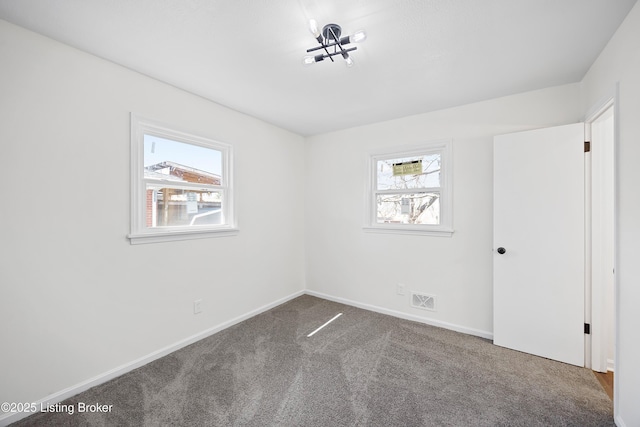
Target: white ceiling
420 55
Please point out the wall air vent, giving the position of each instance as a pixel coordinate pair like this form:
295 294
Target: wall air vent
423 301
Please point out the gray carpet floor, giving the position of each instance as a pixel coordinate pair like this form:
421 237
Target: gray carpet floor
363 369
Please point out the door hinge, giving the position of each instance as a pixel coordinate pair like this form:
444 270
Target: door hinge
587 328
587 146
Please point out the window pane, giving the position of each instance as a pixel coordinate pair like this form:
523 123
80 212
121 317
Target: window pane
182 207
421 171
179 161
417 208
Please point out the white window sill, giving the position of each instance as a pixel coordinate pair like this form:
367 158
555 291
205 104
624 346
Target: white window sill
409 229
172 236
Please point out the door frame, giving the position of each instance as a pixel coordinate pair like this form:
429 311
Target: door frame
595 344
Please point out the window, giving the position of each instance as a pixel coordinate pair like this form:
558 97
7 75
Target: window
181 185
410 190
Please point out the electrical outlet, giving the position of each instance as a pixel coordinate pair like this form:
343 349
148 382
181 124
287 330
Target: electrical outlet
197 306
400 289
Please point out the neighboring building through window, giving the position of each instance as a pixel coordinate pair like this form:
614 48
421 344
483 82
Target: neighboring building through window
181 185
410 190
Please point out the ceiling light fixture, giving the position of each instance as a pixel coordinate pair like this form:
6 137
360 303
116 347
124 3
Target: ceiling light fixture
332 44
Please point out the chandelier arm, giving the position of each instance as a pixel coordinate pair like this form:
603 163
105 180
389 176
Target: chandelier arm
315 48
339 52
337 44
326 45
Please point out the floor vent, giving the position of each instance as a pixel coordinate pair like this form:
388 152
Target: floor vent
423 301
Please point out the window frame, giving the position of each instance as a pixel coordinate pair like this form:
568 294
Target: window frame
140 233
445 228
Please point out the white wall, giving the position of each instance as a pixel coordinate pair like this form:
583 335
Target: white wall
619 63
77 300
345 262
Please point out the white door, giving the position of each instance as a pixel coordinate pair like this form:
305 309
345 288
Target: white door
538 237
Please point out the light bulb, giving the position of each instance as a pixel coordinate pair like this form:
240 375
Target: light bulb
348 61
313 27
308 60
358 37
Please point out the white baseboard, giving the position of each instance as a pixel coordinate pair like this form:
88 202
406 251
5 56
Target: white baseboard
61 395
406 316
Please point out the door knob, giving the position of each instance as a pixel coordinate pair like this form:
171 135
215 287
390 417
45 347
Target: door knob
501 250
